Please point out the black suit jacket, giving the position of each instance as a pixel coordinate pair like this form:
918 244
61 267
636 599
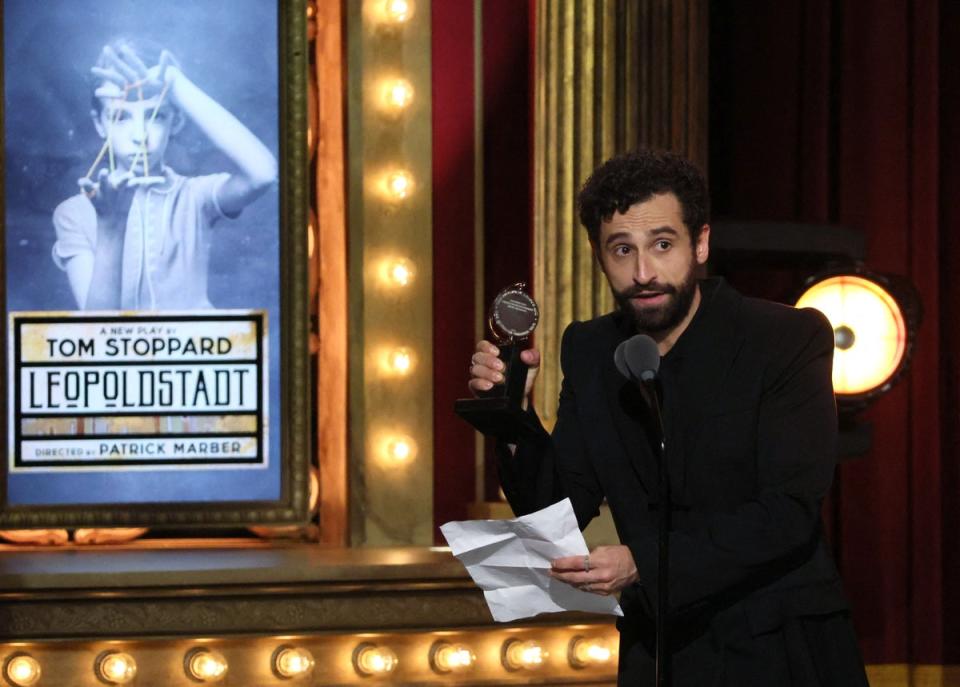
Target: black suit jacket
751 432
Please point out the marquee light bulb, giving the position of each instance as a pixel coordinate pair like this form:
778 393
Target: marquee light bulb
399 185
401 361
206 665
398 272
291 662
451 658
398 11
585 652
22 670
396 95
116 668
401 449
370 659
519 654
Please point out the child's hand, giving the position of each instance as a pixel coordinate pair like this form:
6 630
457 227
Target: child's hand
125 70
111 196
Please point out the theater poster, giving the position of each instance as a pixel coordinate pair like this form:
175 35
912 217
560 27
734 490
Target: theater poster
154 271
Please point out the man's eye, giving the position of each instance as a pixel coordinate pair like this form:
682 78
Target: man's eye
663 244
621 250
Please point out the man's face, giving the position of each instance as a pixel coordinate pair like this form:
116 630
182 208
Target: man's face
136 133
650 262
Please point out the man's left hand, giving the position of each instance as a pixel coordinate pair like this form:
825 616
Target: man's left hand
611 568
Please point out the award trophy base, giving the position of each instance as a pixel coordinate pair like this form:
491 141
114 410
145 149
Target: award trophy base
499 412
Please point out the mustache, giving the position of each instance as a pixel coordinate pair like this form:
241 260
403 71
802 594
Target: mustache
640 289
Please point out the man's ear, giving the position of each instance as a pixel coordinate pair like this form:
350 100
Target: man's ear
702 249
97 124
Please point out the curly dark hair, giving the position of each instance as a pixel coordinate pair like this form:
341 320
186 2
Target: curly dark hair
635 177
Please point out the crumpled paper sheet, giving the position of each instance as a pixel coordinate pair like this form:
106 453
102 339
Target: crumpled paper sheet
510 561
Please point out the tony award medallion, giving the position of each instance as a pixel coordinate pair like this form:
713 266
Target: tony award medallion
498 412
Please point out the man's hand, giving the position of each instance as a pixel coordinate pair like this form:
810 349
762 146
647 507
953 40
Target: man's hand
486 369
611 569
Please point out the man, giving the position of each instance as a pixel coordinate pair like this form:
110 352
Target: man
750 425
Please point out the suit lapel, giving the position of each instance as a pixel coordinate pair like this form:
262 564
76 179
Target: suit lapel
694 379
629 414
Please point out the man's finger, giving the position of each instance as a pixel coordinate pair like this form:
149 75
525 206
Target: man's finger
571 563
133 59
487 347
111 75
531 357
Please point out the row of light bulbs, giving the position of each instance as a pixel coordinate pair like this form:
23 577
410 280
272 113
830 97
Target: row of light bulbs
200 664
515 655
393 95
369 660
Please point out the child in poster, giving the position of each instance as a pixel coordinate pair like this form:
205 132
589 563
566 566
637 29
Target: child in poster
137 236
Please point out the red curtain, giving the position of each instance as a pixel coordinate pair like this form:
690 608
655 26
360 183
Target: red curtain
830 111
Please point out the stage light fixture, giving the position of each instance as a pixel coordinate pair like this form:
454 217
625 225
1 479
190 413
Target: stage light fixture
116 667
292 662
451 658
372 660
22 670
205 665
873 323
584 652
520 654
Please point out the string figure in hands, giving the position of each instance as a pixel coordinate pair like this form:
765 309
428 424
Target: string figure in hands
138 235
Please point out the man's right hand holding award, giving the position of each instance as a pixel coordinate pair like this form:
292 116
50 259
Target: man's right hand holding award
607 569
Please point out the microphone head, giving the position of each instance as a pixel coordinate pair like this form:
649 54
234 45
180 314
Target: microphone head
620 360
641 357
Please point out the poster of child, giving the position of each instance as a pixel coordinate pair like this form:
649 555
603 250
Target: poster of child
141 148
141 155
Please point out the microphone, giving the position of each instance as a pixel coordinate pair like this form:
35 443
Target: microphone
638 358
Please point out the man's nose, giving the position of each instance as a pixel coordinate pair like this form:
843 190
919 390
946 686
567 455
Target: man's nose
644 271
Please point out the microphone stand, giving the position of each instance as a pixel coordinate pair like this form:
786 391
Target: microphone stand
663 539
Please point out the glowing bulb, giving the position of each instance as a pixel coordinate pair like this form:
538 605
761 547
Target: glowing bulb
451 658
869 331
401 449
396 95
398 185
398 11
585 652
116 668
206 665
398 272
23 670
519 654
369 659
290 662
401 361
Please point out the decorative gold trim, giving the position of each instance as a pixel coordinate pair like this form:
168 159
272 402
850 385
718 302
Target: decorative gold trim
609 77
391 502
331 375
905 675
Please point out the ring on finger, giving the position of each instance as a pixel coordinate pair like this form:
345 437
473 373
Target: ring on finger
586 563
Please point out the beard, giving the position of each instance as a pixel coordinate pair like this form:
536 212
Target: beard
658 318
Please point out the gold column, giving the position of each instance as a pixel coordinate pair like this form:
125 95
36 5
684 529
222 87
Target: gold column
611 76
389 219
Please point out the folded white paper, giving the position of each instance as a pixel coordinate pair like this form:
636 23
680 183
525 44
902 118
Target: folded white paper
510 561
